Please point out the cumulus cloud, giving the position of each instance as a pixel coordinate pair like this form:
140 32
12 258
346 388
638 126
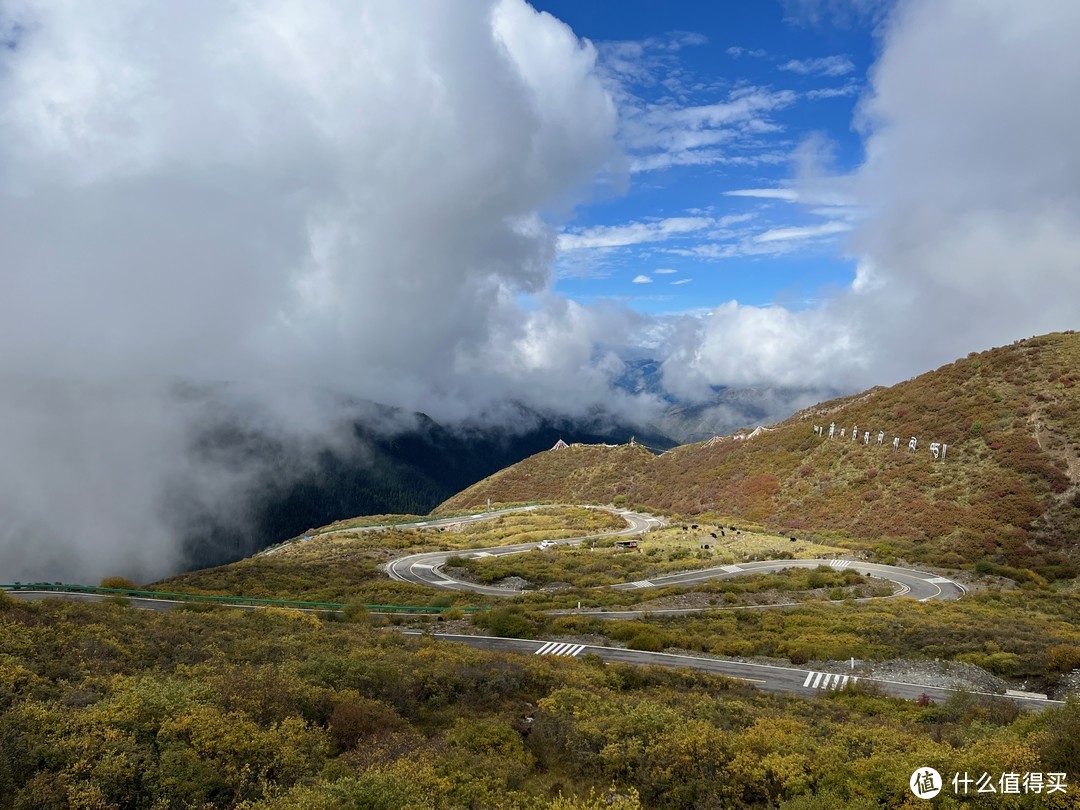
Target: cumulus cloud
642 279
970 209
284 197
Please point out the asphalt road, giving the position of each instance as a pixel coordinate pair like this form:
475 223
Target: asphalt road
427 569
764 676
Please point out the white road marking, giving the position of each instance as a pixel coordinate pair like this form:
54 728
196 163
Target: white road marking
560 648
642 583
826 680
840 563
940 581
731 569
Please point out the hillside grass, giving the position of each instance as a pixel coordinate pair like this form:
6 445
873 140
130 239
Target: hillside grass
672 550
1007 494
344 567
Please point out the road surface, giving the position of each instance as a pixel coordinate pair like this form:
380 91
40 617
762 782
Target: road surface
769 677
427 569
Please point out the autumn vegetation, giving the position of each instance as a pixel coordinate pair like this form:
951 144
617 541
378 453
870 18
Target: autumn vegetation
104 706
1006 497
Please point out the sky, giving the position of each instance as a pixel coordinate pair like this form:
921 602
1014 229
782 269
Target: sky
723 105
276 209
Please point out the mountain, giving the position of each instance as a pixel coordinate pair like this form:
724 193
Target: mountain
1005 495
723 410
395 463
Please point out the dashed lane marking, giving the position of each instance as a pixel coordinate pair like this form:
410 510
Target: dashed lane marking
560 648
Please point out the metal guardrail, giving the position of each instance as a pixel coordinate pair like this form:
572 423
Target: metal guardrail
231 600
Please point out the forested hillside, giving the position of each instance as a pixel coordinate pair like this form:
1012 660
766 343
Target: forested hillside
1005 494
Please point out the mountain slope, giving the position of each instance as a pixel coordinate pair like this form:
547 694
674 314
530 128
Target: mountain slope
1006 492
408 469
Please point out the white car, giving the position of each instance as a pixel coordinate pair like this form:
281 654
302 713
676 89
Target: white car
547 544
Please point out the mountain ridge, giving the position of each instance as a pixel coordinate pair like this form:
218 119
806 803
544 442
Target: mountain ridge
1005 494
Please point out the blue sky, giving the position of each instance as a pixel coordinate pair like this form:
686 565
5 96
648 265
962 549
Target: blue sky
722 105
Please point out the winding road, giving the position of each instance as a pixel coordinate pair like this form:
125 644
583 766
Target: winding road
426 569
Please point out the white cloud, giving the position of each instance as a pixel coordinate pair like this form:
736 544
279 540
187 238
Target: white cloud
658 136
286 197
681 281
736 51
849 89
802 232
785 194
633 233
642 279
969 209
824 66
662 271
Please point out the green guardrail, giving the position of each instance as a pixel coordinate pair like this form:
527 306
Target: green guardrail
232 600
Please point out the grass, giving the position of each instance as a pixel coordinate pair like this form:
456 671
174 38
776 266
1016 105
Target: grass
1007 494
666 551
345 567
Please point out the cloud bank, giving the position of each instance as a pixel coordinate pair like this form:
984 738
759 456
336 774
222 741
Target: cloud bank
969 196
265 210
285 198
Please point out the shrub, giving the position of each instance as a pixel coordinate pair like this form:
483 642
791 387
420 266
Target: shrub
119 583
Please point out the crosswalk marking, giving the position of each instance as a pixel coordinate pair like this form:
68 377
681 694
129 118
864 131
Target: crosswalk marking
560 648
731 569
825 680
840 563
642 583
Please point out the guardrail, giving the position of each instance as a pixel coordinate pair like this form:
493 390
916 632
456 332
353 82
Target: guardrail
230 600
